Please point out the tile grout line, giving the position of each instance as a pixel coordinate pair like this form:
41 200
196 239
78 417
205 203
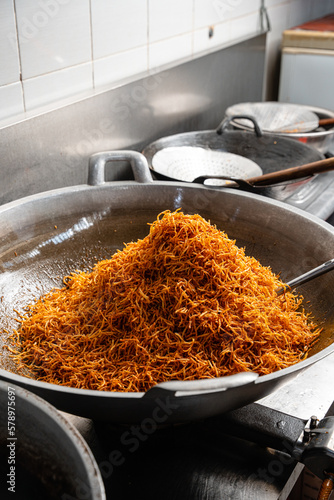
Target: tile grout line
148 35
91 43
19 56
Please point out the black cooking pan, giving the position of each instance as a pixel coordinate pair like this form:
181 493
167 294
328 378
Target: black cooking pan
49 235
271 152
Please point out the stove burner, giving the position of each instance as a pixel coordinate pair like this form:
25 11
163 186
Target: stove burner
249 453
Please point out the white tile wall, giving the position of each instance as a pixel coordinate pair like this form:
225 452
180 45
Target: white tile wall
51 39
11 100
118 25
9 55
210 37
71 81
168 19
169 50
120 66
250 24
56 49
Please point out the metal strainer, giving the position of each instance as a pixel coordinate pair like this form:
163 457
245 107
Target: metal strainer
275 116
187 163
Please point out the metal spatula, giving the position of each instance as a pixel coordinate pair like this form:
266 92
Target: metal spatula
304 278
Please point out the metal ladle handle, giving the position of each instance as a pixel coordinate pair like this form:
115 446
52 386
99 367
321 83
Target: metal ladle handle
310 275
287 175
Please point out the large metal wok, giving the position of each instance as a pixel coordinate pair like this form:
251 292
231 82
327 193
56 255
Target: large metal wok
46 236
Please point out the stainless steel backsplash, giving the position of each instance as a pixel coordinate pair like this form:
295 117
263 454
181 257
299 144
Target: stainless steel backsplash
51 150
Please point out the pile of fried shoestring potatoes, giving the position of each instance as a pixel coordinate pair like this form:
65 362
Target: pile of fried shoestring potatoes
182 303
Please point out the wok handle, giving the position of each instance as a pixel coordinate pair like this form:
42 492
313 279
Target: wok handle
98 161
196 387
224 124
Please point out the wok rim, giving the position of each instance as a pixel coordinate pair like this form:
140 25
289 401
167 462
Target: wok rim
22 380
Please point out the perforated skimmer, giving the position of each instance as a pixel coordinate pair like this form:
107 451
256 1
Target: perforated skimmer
187 163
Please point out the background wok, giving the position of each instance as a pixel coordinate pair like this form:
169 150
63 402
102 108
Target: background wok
46 236
270 152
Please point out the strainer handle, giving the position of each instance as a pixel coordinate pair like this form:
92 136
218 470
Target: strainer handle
224 124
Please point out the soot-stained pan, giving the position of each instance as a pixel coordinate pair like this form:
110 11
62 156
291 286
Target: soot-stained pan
269 152
45 237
